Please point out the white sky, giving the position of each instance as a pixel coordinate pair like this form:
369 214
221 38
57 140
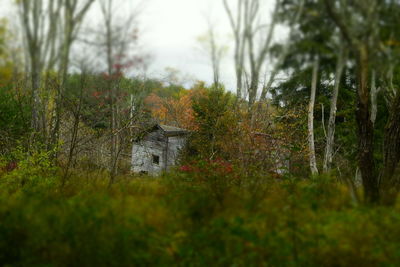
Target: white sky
169 30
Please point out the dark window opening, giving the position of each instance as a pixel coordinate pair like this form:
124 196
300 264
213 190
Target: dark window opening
156 159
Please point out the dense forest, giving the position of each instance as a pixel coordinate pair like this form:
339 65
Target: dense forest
297 165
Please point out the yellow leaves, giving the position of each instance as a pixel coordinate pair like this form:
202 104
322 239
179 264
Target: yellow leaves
172 111
313 13
6 73
176 241
4 36
392 42
6 65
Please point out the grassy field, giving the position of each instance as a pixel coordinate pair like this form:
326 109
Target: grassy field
187 219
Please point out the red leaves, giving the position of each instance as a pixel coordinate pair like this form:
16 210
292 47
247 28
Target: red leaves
12 165
222 165
173 110
96 94
186 168
217 166
118 67
113 77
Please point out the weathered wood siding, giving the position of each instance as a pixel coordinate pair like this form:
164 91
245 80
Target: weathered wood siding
156 144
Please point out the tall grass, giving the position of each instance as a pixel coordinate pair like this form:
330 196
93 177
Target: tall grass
174 220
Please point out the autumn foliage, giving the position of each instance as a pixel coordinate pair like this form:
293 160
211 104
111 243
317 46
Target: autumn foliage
177 110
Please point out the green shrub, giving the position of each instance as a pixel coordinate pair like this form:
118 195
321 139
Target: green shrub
32 168
175 220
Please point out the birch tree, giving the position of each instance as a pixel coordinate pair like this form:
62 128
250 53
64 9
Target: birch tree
237 25
116 39
73 15
359 23
253 38
252 42
293 22
311 142
257 56
330 138
39 20
50 28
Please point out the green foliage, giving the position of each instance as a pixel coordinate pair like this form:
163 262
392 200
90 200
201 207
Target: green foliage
14 118
92 90
214 116
172 221
32 169
4 35
214 176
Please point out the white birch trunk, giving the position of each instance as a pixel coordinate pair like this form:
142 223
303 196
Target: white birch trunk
330 138
311 145
374 97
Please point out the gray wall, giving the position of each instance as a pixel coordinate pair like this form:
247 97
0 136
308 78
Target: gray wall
156 144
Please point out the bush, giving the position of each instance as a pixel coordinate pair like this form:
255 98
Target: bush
27 170
177 220
14 118
217 177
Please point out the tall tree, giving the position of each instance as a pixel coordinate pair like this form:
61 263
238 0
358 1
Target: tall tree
38 21
214 50
50 28
117 38
306 56
292 23
330 138
254 39
74 14
311 141
237 25
72 18
257 55
365 28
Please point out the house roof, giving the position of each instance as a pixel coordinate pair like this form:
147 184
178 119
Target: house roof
171 130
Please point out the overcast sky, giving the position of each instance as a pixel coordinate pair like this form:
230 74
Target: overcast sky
169 31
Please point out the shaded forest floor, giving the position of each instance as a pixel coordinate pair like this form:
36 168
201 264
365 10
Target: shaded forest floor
176 220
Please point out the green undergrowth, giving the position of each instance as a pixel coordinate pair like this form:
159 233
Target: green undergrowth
179 220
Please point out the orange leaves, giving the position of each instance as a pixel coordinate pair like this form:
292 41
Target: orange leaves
171 111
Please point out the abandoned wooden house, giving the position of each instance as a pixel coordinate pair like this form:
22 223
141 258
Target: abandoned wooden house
158 149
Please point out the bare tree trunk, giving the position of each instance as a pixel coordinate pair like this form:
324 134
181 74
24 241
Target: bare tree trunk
41 21
73 17
366 129
253 88
374 97
361 42
32 23
37 109
114 139
390 178
257 60
330 138
238 31
311 145
107 6
214 51
215 56
115 44
283 54
75 130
